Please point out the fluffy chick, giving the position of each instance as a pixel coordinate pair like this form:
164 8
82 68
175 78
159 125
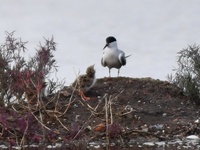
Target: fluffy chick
85 82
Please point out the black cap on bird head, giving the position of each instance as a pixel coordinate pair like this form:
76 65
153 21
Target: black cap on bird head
109 40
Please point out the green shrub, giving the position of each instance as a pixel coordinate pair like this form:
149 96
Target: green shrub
187 74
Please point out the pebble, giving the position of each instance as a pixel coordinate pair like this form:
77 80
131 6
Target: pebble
93 143
3 147
196 121
176 141
164 114
57 145
16 147
149 144
162 143
192 137
97 146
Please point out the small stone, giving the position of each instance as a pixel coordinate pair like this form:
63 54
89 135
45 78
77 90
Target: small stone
192 137
149 144
89 128
3 147
196 121
164 114
97 146
162 143
49 146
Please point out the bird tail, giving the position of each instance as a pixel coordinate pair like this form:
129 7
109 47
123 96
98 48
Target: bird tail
127 56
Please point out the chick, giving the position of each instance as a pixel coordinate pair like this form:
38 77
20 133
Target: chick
85 82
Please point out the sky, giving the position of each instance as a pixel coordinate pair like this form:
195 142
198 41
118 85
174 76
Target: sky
152 31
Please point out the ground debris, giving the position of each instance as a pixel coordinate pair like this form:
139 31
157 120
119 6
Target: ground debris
137 107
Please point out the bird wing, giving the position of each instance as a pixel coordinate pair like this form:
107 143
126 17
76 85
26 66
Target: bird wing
103 63
122 58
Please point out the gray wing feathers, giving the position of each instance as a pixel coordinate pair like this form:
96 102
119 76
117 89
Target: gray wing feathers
122 59
103 63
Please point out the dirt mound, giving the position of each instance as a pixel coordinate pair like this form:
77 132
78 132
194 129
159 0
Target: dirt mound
121 109
142 106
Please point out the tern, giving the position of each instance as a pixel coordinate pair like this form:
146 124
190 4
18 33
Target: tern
112 56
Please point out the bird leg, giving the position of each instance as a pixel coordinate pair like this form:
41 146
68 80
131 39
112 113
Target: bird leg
84 97
118 73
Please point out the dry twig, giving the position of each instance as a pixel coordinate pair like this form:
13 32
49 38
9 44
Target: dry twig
89 118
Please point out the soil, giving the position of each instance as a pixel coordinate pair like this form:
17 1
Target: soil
140 107
124 110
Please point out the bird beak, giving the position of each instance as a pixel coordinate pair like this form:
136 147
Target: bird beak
106 45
